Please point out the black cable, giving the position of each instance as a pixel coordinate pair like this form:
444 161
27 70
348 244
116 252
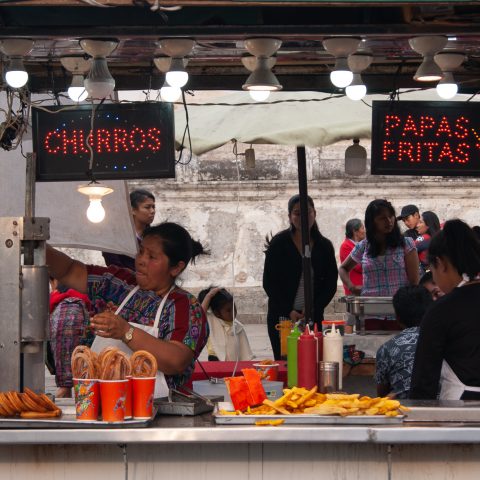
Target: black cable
186 132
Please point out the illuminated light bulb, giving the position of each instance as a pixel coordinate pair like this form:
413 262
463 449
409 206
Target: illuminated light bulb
169 93
16 75
77 91
177 76
95 192
95 211
447 90
341 76
356 92
259 95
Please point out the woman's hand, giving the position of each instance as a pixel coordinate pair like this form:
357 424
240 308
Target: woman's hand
356 289
109 325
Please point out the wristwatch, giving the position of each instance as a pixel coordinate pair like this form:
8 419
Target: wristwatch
127 338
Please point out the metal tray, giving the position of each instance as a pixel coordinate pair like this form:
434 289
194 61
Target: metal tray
368 305
443 411
305 419
69 420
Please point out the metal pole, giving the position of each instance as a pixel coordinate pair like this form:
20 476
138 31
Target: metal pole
306 253
29 245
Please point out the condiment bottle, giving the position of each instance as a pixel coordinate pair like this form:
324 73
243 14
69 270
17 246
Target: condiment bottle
319 336
307 359
333 350
292 356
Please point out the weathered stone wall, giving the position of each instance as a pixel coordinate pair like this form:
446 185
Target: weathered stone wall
231 211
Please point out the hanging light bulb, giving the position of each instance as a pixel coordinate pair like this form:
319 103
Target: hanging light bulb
356 90
77 91
259 95
177 49
341 47
95 192
169 93
15 48
446 87
357 63
428 46
99 82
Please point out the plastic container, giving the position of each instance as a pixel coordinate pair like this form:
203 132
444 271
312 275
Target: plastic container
333 350
307 359
327 325
268 371
292 357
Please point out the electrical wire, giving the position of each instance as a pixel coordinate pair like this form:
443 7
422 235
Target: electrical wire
186 132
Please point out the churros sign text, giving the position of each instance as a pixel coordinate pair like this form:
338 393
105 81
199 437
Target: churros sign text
425 138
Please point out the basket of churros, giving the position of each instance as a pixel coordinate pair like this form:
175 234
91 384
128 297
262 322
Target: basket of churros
107 384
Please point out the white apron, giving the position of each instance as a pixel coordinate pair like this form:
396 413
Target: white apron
451 388
161 387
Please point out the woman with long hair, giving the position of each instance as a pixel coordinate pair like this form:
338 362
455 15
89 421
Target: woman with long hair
389 260
427 227
447 358
283 272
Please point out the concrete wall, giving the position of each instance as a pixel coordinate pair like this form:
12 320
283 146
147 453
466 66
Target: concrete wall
231 210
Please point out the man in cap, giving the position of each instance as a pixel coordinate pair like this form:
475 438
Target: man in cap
410 216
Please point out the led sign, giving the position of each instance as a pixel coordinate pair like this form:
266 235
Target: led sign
128 140
425 138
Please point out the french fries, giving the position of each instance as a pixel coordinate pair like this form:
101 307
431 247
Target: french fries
299 400
27 405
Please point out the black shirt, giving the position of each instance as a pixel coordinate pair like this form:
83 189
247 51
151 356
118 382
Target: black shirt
411 232
450 330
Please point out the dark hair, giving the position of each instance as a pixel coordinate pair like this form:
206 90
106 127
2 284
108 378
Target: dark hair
394 239
139 196
410 304
177 243
427 277
221 298
476 231
352 226
458 243
432 222
314 231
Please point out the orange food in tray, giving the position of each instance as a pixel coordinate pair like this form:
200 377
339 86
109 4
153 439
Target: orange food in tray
27 405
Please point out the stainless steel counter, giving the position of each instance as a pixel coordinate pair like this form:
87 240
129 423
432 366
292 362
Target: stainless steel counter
202 429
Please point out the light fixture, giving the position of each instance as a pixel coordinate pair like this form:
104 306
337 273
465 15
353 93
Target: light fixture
78 66
167 92
16 48
99 82
448 62
262 78
428 46
357 63
250 63
177 49
95 191
355 159
341 48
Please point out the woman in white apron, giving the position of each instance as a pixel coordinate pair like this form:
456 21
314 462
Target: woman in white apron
144 310
447 359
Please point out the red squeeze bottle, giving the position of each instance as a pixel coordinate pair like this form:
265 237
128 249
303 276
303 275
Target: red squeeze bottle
319 336
307 359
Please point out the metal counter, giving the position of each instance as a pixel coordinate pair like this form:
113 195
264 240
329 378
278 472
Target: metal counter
202 429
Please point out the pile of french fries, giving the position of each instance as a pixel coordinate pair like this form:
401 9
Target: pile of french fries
299 400
27 405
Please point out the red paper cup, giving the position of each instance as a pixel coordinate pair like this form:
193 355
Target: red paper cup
87 398
268 371
143 389
113 394
129 399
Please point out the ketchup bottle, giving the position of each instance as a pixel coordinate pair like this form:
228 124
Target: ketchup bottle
319 336
307 359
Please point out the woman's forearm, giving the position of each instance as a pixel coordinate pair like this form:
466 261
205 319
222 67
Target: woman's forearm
66 270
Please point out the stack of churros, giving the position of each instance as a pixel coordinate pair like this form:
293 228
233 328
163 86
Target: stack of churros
27 405
144 364
84 363
114 364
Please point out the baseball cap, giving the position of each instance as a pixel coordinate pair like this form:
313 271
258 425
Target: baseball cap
407 210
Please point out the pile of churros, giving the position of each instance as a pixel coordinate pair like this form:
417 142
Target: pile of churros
27 405
112 364
298 400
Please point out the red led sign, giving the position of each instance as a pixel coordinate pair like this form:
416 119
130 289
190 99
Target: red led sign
425 138
131 140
